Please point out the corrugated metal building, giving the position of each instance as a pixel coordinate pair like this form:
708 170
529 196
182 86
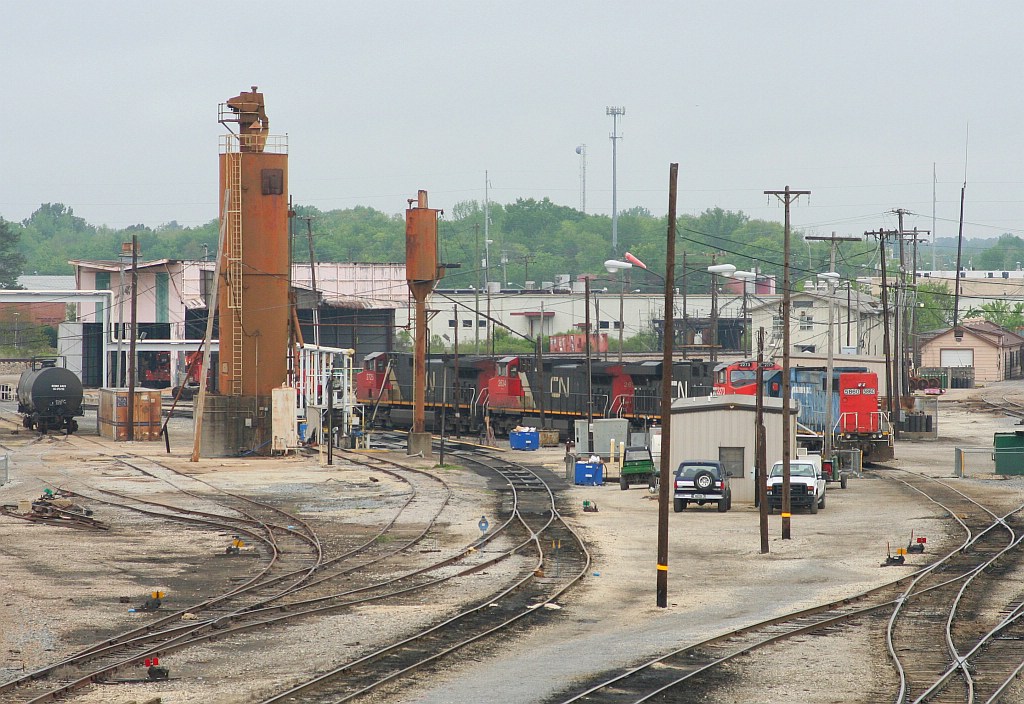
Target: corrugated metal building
722 428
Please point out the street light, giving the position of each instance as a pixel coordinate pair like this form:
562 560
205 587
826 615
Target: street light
612 266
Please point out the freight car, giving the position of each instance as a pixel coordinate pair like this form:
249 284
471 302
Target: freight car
50 397
467 394
857 421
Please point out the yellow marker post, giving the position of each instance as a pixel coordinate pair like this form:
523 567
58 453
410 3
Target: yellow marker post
901 551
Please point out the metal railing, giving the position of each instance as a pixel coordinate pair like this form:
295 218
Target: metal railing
973 461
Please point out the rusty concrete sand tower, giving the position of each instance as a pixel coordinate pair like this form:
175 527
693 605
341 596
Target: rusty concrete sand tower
253 300
255 272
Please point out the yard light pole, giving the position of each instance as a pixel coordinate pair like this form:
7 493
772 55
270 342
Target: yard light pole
613 266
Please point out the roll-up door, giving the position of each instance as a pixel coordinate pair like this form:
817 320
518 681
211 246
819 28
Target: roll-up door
956 358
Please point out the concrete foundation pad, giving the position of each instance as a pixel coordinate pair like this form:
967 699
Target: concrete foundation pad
419 443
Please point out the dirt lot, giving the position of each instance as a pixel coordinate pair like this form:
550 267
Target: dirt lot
59 588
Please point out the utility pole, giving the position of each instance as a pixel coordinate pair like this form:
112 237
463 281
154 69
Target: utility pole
586 343
686 325
665 473
458 413
832 282
312 279
135 335
714 313
787 196
902 388
881 235
616 113
476 307
761 448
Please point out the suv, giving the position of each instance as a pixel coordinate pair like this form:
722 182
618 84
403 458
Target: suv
637 467
806 485
702 482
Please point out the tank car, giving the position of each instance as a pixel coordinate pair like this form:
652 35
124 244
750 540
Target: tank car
49 398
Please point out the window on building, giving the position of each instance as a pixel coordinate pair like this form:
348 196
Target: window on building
732 459
803 304
603 324
481 323
806 321
467 323
776 325
451 323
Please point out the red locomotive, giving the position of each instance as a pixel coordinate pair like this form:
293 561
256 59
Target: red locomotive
857 422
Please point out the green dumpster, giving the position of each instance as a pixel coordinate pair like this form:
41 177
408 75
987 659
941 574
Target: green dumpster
1008 452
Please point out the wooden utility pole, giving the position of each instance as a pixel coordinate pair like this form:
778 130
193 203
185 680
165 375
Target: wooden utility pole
312 279
787 196
686 324
458 412
135 334
761 448
886 350
211 304
665 474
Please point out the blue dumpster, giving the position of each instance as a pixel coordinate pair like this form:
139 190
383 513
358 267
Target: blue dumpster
589 473
524 439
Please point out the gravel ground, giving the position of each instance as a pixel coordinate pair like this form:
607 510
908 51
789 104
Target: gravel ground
60 588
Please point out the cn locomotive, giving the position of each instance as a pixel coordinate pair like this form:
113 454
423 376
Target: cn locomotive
468 393
49 397
857 421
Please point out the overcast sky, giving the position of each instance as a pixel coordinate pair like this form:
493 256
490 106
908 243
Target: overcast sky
111 107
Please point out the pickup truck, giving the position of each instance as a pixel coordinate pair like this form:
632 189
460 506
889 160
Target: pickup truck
806 485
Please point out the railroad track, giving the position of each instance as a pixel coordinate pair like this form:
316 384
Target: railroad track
946 585
314 597
560 560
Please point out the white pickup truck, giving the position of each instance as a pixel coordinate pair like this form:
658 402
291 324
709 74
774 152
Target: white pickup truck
806 484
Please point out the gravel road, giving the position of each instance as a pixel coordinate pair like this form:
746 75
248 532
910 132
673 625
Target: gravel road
59 588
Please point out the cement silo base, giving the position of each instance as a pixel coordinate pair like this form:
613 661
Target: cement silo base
420 444
236 425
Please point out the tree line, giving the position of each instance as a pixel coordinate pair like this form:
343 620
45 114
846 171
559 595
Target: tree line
527 240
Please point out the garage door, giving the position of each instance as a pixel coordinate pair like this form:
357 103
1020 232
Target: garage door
956 358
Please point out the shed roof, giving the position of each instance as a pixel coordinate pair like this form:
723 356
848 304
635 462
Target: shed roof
731 402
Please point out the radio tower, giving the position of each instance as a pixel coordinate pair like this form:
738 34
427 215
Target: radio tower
582 151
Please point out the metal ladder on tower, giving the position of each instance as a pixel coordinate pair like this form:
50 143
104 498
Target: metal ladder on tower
234 266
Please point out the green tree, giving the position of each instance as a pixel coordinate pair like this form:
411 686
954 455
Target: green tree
12 261
1001 313
934 306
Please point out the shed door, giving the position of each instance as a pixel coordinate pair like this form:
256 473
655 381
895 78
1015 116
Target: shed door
956 358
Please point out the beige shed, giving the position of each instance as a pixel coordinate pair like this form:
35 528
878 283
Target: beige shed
722 428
